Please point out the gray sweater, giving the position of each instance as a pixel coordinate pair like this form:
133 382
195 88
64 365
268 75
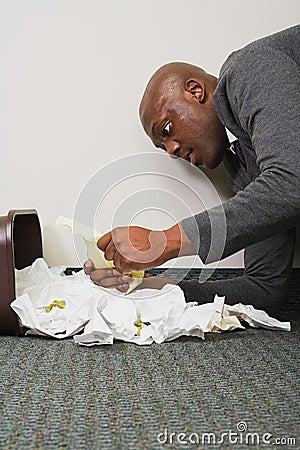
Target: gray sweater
258 99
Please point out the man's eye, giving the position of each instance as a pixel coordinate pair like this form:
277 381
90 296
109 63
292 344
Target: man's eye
166 129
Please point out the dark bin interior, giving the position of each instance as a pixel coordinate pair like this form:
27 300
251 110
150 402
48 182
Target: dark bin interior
20 246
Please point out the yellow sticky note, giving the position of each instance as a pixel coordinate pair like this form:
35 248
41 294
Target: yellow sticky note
91 238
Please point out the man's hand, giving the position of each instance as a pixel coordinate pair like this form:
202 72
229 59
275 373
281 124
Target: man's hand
136 248
108 278
111 278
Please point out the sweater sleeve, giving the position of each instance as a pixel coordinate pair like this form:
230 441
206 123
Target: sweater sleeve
265 98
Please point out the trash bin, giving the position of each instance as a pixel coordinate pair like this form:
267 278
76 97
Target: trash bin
20 246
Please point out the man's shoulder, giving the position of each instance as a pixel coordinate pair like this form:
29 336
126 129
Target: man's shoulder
256 76
284 44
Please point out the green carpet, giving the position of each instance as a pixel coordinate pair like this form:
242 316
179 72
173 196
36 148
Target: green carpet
56 395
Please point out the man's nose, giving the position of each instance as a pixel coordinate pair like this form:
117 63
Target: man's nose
173 147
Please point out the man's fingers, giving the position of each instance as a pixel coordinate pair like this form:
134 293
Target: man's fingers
114 281
103 242
107 278
110 278
109 252
126 266
100 274
88 267
123 287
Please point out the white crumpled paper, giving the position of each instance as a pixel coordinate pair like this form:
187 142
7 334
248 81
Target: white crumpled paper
90 238
76 305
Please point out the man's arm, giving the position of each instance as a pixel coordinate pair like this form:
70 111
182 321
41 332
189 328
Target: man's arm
264 95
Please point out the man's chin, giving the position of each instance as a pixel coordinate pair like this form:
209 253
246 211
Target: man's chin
213 163
209 165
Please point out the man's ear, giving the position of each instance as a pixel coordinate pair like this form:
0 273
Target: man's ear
196 88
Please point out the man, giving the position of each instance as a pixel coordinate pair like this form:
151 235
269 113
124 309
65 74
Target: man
187 112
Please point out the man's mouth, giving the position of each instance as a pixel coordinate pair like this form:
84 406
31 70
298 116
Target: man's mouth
187 155
193 159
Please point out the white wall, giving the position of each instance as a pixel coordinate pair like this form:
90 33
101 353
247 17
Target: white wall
72 74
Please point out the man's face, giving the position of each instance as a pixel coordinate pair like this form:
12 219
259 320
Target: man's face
185 128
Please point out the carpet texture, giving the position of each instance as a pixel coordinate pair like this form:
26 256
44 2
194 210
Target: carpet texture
56 395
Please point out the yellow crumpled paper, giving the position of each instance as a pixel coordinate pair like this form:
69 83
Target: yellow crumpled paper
61 304
91 237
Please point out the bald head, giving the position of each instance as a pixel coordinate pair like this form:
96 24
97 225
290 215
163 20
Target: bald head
169 80
178 114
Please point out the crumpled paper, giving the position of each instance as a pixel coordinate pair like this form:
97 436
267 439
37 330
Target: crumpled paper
256 317
52 304
91 237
